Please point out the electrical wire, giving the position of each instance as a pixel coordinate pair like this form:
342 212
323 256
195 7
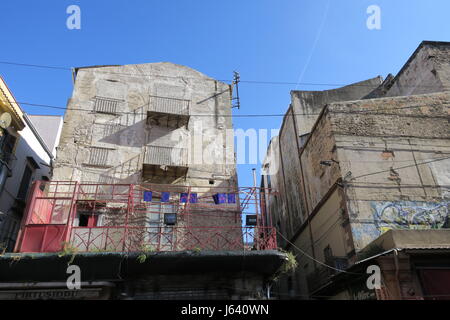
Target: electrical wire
312 258
181 77
205 115
398 168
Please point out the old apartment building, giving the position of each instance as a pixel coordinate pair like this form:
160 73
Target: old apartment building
25 156
363 178
144 195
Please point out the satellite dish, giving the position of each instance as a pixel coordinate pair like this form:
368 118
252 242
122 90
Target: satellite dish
5 120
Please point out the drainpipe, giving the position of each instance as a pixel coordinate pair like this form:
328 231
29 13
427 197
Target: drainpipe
5 172
397 272
269 287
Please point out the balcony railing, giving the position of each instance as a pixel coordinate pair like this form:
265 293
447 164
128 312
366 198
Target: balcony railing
168 112
131 218
169 105
159 155
135 238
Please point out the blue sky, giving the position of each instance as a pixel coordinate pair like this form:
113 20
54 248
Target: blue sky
265 40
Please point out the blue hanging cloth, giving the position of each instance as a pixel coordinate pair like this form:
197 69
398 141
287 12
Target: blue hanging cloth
148 195
165 196
219 198
183 197
231 198
193 198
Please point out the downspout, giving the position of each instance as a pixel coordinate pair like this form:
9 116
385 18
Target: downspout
397 271
5 172
269 287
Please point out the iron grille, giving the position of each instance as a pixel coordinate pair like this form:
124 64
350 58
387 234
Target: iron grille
169 105
165 156
106 105
99 156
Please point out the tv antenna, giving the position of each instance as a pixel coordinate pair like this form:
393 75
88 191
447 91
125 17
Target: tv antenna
236 79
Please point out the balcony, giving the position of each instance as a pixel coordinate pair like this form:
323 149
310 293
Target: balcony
168 112
165 162
131 218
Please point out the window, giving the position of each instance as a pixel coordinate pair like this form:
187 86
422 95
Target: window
328 254
106 105
25 182
99 157
7 143
85 220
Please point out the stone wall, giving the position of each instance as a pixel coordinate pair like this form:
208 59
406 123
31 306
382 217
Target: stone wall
427 71
395 156
107 137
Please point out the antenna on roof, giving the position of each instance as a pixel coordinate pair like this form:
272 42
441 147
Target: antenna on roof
236 80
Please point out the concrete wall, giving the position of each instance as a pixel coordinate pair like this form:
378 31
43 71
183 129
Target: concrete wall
290 207
133 85
395 159
307 105
127 136
391 159
427 71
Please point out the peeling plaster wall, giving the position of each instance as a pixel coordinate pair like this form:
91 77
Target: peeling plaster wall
127 134
274 180
427 71
289 208
308 104
395 161
292 175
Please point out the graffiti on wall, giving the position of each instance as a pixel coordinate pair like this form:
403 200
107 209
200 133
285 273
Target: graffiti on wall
410 215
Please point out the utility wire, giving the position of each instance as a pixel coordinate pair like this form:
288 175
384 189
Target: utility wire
33 65
212 115
398 168
100 71
312 258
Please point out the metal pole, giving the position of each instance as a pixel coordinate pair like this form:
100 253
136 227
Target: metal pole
258 218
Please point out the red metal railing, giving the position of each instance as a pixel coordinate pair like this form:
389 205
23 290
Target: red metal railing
119 218
121 239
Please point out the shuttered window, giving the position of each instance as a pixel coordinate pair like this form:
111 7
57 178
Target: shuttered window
99 157
106 105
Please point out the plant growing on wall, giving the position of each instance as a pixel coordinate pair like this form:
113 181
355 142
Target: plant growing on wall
68 249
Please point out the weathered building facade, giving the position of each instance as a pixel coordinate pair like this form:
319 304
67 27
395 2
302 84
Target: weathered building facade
366 166
146 174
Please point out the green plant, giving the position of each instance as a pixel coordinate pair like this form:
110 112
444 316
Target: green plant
68 249
15 258
145 249
197 249
142 258
290 264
